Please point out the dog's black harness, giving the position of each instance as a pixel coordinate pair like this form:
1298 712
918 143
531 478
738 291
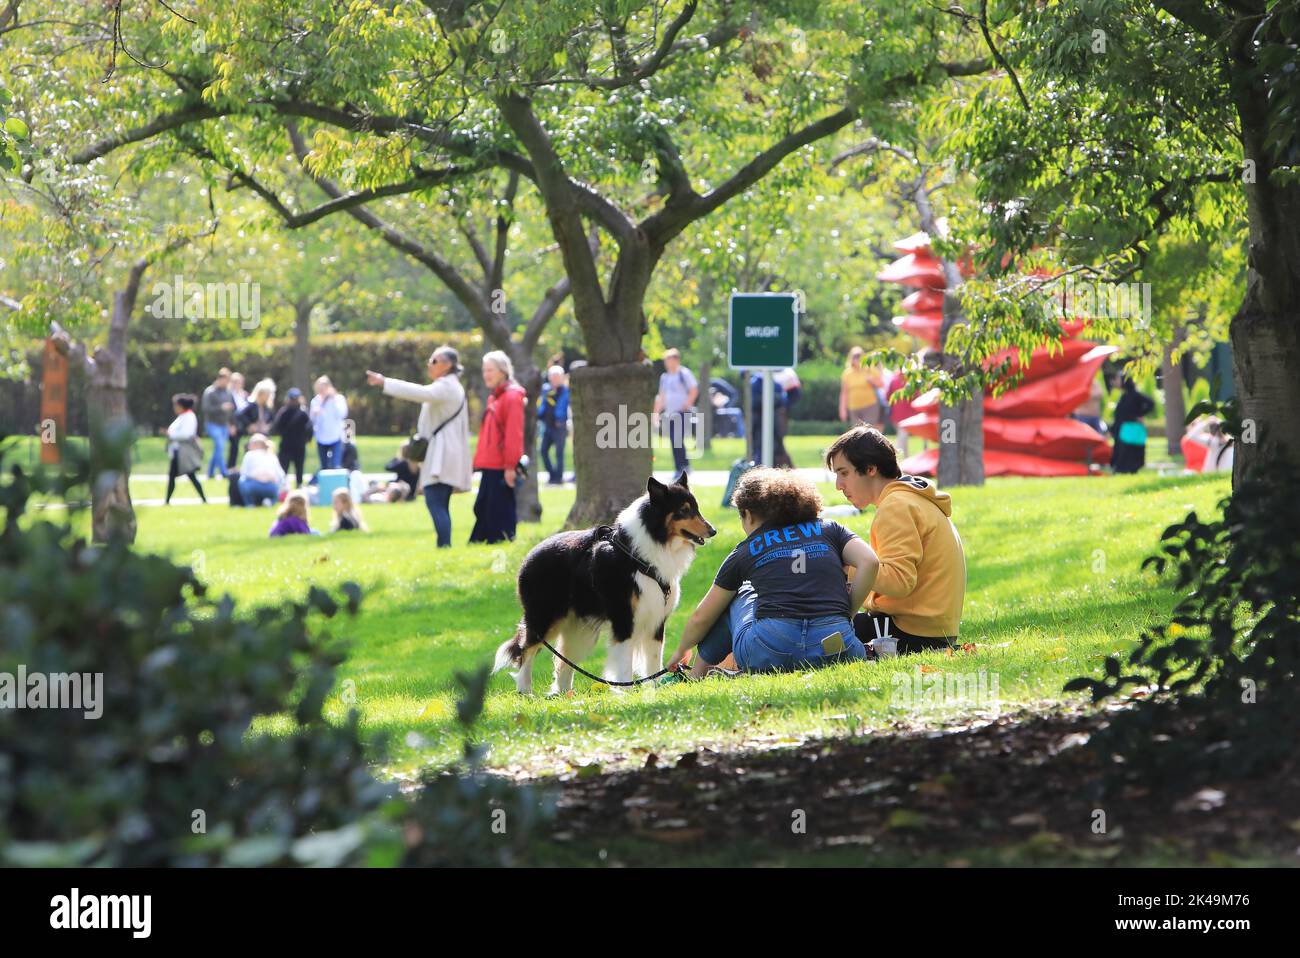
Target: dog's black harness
615 537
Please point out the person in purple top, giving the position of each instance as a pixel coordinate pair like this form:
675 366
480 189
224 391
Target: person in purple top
292 518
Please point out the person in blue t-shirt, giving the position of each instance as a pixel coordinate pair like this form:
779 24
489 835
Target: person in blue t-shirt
782 590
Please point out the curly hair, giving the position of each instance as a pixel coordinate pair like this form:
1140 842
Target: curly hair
777 495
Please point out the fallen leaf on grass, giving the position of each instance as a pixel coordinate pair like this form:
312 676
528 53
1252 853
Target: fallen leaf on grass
1071 740
1206 800
906 818
1028 820
936 788
676 836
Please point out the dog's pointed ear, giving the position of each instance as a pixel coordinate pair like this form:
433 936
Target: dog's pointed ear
681 480
655 488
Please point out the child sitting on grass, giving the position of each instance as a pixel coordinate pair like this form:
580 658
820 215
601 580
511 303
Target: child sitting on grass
292 517
347 517
780 597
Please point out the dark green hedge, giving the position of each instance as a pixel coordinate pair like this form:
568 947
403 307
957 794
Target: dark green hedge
155 372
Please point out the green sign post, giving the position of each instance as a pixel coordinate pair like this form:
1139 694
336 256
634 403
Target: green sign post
763 333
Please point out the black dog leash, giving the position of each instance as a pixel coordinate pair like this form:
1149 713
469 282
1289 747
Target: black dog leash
596 678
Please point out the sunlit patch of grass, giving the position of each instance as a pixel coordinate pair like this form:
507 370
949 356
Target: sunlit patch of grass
1054 586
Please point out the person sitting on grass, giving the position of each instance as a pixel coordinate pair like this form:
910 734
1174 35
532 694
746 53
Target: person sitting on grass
347 517
260 473
779 601
292 517
917 597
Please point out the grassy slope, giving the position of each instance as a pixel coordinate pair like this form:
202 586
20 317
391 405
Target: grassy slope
1054 587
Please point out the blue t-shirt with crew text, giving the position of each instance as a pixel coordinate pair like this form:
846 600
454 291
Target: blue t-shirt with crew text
797 570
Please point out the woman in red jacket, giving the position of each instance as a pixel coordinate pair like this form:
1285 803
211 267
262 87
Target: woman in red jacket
500 446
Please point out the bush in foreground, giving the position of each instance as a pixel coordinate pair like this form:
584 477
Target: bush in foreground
158 765
1226 701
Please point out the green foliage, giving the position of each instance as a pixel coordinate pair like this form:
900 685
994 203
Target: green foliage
13 131
1225 663
167 771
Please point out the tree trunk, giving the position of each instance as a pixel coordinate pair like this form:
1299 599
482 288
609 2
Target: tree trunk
301 364
961 427
961 461
527 501
1265 362
1171 376
706 407
611 438
1265 332
112 513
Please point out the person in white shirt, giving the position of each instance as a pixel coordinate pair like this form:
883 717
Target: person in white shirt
444 421
184 453
674 404
329 413
260 474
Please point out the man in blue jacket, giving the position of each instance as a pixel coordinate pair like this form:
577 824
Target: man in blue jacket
553 418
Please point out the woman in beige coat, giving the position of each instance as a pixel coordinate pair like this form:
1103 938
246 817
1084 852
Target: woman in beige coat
444 421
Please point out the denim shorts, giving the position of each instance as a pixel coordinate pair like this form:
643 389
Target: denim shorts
775 644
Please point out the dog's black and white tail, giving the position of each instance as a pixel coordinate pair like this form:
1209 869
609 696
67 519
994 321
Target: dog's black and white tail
510 654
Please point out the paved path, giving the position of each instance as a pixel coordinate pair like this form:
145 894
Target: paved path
702 477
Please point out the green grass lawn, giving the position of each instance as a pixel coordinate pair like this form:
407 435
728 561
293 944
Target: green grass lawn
1054 587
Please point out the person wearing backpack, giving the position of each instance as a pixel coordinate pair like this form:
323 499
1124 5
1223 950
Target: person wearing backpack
553 418
443 427
1130 453
675 405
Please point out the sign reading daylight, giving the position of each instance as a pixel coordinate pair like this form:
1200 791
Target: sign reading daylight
763 330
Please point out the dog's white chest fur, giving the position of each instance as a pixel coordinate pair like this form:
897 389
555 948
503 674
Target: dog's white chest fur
643 653
652 607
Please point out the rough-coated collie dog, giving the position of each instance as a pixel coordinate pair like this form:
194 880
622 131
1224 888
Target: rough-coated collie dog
626 576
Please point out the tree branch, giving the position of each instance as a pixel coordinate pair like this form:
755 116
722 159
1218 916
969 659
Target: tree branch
562 207
493 326
1196 15
662 226
160 124
1002 61
496 275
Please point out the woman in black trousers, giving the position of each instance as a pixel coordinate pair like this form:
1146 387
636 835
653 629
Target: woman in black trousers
184 454
293 425
1130 453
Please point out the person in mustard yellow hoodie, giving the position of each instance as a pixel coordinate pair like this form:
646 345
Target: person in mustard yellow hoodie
918 593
